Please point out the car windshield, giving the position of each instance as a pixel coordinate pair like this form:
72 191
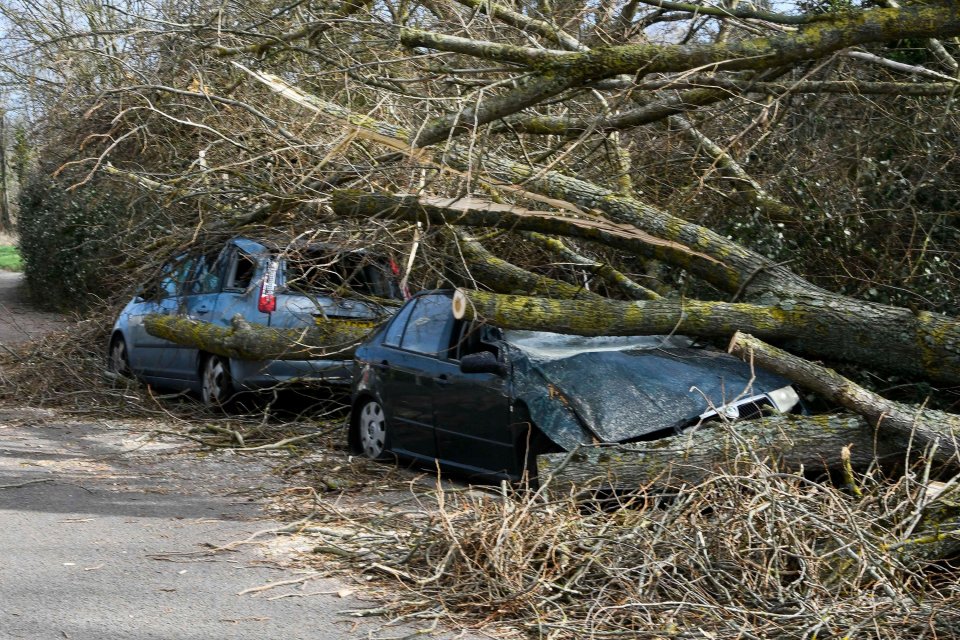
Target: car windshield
544 344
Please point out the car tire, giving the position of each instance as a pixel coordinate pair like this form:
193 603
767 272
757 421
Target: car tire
118 358
216 383
372 434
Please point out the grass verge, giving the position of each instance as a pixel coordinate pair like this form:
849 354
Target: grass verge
10 259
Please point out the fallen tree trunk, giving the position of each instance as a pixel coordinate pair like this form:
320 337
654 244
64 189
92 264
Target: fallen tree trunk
328 339
786 442
920 428
889 339
503 276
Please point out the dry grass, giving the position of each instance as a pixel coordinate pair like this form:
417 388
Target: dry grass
762 555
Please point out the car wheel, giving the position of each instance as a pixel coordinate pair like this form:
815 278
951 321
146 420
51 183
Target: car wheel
118 360
216 383
372 433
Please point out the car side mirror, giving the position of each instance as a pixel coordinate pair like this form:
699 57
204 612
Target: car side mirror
482 362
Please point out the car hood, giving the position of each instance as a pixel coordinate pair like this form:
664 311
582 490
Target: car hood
623 390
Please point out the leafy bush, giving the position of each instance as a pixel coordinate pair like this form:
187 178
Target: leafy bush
65 241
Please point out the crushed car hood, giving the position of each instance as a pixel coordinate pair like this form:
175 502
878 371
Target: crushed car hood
624 389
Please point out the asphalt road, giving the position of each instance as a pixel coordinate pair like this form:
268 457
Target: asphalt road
18 321
106 534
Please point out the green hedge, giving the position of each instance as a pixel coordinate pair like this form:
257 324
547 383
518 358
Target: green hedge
66 242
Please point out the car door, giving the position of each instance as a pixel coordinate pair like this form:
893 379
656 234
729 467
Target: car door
472 410
409 367
151 356
197 301
188 288
241 274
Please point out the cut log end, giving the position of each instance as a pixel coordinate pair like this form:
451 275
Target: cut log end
460 304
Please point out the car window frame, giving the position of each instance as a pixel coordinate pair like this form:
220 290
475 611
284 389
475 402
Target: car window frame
400 317
229 266
444 353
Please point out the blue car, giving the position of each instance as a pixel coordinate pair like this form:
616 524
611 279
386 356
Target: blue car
275 286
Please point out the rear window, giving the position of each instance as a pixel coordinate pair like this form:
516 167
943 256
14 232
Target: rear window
340 272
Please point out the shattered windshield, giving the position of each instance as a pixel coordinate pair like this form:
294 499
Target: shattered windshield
543 344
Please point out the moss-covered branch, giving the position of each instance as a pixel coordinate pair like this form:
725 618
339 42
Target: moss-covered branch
715 258
885 338
613 277
504 277
473 212
327 339
788 442
525 23
556 72
928 429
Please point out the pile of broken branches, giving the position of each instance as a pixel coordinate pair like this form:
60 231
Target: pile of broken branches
758 555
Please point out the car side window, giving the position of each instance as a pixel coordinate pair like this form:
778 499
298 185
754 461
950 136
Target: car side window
427 330
173 277
206 279
240 271
395 330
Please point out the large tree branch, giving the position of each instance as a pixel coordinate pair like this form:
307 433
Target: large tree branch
502 276
327 339
821 326
613 277
735 11
743 270
525 23
927 429
784 442
556 72
473 212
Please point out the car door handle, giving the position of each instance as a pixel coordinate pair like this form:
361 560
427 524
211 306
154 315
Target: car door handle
201 310
443 379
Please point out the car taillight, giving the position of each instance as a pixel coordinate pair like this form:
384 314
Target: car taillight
268 298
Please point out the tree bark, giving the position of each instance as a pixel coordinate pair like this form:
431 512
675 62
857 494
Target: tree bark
786 442
886 338
924 429
558 71
328 339
502 276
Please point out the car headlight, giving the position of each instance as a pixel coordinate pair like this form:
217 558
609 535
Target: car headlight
784 398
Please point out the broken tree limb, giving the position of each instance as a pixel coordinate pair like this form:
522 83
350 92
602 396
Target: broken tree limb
884 338
327 339
786 442
500 275
477 212
613 277
741 266
749 189
557 72
927 429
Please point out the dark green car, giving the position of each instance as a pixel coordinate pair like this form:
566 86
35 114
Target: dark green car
484 401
